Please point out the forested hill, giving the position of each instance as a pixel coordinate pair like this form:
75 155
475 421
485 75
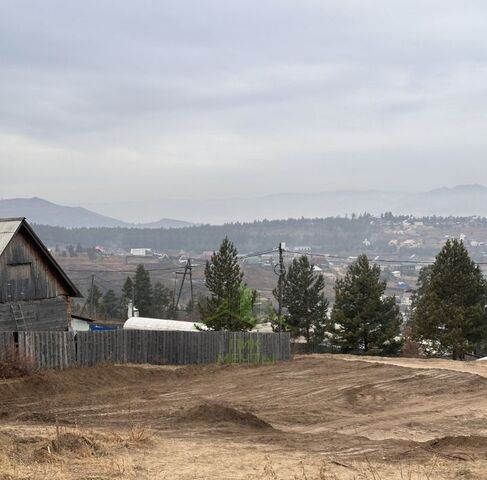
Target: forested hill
336 235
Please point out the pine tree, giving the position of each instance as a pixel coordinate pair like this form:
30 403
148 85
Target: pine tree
362 319
110 304
449 310
143 291
161 301
246 306
224 281
126 297
93 298
304 299
171 312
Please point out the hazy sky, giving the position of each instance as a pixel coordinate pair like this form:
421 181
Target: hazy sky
102 101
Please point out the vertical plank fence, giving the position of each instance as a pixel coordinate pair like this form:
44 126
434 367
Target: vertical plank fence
65 349
7 341
48 349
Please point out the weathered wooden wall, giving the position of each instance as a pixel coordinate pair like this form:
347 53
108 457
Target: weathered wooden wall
180 348
26 279
47 314
48 349
24 273
6 341
65 349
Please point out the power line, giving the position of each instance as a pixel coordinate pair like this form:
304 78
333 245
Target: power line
167 269
337 257
395 261
171 269
257 254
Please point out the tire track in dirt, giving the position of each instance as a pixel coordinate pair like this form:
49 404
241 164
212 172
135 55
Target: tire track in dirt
321 404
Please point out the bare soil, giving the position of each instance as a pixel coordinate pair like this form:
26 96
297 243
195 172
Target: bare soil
317 417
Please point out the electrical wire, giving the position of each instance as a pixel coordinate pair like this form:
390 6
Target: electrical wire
348 259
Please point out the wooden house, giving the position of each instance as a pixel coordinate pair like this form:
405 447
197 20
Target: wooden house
35 292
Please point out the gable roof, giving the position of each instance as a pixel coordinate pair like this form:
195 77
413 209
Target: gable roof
9 227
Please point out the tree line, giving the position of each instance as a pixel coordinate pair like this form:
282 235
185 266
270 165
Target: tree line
152 300
449 309
449 313
338 234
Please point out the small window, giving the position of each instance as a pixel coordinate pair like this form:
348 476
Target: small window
19 272
18 281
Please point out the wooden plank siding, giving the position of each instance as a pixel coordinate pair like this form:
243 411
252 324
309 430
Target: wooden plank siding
31 283
25 275
6 342
65 349
47 314
180 348
48 349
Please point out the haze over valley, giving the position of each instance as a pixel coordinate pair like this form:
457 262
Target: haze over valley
462 200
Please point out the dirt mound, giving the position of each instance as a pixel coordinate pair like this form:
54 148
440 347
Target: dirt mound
216 413
471 446
88 379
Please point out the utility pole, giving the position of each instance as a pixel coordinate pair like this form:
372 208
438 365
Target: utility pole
191 286
280 284
92 295
173 306
186 269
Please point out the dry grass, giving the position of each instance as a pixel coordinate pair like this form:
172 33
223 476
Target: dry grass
66 451
365 470
423 422
139 434
13 364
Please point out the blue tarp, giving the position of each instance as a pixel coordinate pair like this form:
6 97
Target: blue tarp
100 328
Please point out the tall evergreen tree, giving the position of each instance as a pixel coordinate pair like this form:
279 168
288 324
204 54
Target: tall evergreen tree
224 281
161 301
449 310
247 301
362 319
304 299
110 304
126 297
143 291
172 313
93 298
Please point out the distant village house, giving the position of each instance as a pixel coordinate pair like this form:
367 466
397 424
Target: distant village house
141 252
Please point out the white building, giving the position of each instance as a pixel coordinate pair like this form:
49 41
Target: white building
141 252
80 324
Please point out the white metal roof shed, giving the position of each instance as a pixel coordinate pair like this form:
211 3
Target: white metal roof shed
144 323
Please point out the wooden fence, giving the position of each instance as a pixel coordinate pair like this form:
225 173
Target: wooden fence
65 349
6 342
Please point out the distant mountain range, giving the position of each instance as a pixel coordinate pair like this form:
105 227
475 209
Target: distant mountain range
42 212
462 200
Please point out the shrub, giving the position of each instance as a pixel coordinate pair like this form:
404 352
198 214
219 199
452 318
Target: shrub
14 364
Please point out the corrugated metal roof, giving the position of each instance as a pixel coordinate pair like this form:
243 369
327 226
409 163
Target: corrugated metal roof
8 228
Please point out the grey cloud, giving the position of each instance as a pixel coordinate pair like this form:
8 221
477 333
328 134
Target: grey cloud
218 90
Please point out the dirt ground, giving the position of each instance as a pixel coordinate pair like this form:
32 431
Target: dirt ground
316 417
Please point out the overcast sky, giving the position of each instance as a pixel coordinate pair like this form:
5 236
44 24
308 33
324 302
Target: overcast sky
102 101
